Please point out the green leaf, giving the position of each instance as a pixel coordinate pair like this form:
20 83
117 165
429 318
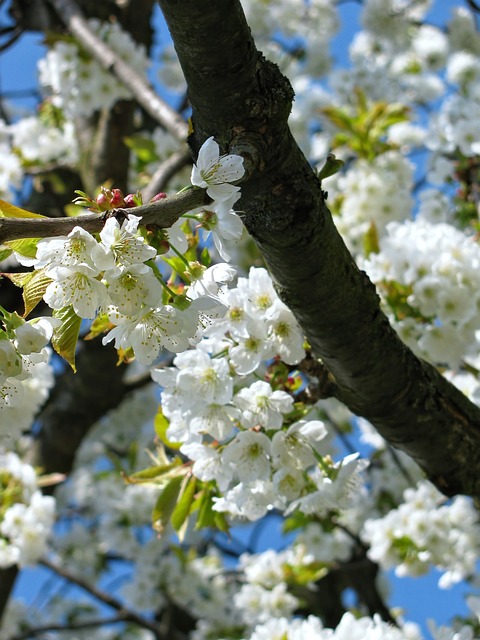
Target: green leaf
34 290
306 573
207 517
332 165
176 263
26 247
73 210
100 325
371 243
65 337
165 505
184 505
5 252
152 473
8 210
142 147
297 520
339 118
18 279
161 425
205 257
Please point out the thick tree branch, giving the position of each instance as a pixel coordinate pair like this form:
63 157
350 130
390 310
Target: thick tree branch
162 213
244 102
73 18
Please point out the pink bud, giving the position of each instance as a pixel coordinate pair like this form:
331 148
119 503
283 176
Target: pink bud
130 200
159 196
117 198
103 201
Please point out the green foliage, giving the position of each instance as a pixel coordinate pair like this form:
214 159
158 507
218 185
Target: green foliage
331 167
363 126
65 336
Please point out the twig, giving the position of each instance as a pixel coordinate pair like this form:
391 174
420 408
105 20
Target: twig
85 624
162 112
106 598
164 172
162 213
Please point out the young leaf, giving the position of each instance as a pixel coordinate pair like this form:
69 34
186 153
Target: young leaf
8 210
5 252
151 474
161 425
184 504
65 337
332 165
100 325
26 247
165 505
34 290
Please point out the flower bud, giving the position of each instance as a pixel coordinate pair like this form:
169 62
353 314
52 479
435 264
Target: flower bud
103 201
117 199
159 196
129 200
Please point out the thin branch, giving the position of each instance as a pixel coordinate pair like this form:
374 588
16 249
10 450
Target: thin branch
165 171
106 598
162 213
162 112
84 624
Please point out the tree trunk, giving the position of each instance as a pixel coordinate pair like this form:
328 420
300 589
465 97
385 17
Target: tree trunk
244 101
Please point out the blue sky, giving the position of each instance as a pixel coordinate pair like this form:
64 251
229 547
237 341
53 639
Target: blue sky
420 598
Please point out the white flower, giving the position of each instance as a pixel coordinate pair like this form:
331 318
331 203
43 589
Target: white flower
151 330
249 500
131 287
10 359
249 352
33 335
249 455
284 332
208 464
226 226
77 287
121 245
211 282
289 483
72 250
331 493
258 291
262 406
205 380
214 172
295 447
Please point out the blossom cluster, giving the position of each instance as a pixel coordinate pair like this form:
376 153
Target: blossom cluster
236 431
117 276
77 83
26 516
434 267
236 427
423 531
26 376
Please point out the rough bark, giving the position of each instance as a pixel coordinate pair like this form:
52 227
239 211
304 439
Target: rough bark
243 100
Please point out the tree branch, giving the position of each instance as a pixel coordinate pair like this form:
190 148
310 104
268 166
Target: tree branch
106 598
164 172
162 213
72 626
244 101
162 112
